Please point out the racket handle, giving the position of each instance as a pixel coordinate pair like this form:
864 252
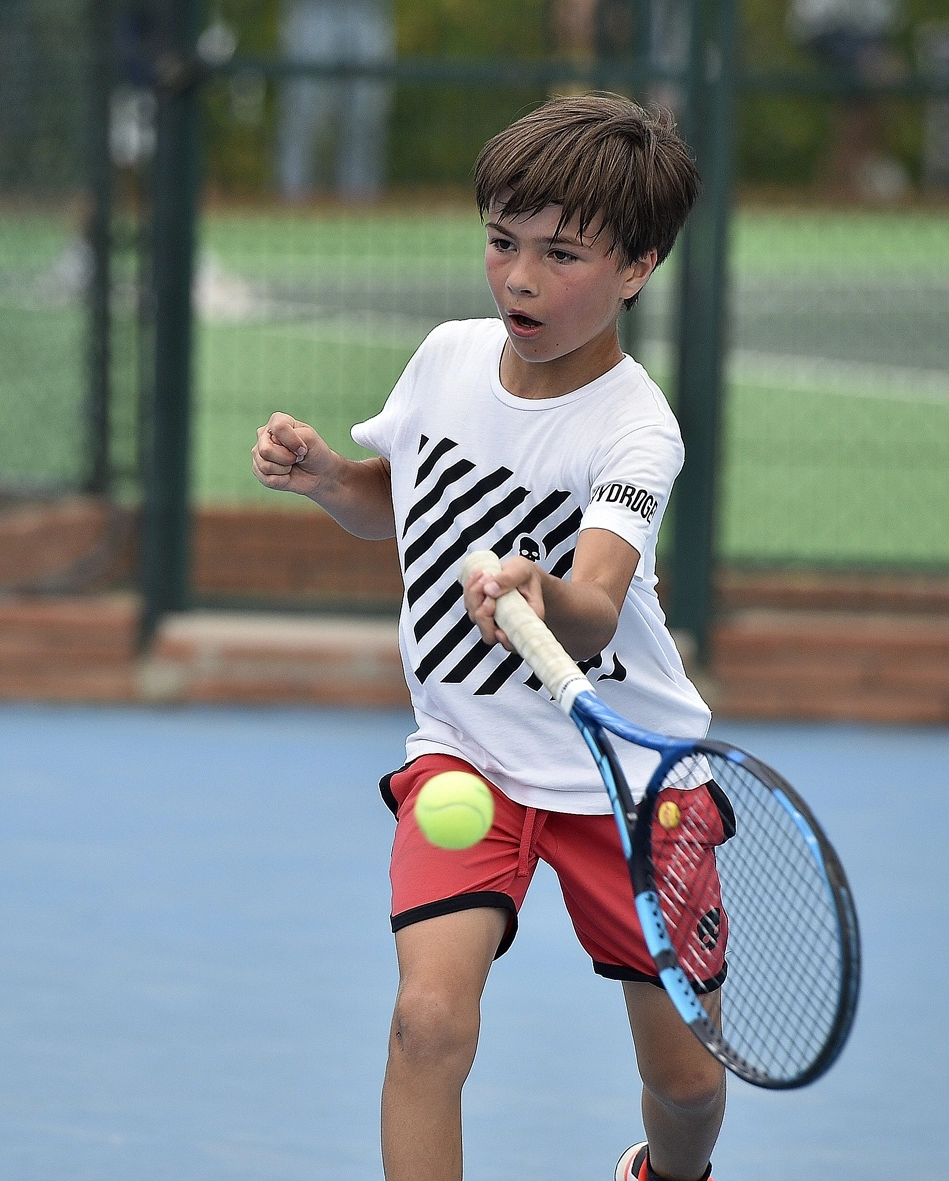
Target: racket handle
531 637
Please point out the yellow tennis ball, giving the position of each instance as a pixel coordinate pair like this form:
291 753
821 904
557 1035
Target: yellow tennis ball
669 814
455 809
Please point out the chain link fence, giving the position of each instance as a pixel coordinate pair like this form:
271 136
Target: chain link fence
70 294
335 227
44 256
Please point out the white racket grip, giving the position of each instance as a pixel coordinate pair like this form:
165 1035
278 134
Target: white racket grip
531 637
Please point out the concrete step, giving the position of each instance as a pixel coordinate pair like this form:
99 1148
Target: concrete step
260 658
92 683
100 626
767 662
69 649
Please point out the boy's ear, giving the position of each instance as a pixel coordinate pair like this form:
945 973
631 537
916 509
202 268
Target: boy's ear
637 273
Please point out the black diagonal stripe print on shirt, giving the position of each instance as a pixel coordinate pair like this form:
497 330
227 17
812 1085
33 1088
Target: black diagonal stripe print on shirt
473 657
560 569
530 522
460 504
527 524
505 670
468 663
433 456
442 605
457 550
448 557
430 499
451 639
562 531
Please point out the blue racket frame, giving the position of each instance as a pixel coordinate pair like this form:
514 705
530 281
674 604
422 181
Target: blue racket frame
575 695
595 720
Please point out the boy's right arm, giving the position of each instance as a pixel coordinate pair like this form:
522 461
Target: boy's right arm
291 457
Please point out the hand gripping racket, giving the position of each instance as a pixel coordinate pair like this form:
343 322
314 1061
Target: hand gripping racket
736 886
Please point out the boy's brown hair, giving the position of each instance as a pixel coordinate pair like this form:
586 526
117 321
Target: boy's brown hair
595 155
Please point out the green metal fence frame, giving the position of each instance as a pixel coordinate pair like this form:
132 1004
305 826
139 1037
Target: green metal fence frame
166 512
99 397
701 320
711 84
166 534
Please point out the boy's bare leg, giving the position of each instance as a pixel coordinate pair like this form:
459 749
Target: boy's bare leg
443 965
683 1085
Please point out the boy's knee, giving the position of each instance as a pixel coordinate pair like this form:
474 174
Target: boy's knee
432 1025
694 1089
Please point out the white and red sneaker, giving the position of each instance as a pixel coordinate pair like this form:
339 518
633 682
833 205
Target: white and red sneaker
633 1165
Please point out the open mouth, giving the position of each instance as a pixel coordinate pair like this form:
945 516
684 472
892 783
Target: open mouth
524 322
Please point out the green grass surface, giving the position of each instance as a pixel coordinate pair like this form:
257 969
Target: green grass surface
835 442
763 241
819 478
42 362
247 372
302 246
857 244
42 356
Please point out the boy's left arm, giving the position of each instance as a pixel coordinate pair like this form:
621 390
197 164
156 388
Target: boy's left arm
582 613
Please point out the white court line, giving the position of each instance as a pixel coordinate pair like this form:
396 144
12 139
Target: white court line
366 329
794 373
781 372
852 379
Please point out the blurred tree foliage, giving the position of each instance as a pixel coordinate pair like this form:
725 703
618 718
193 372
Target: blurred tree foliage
239 110
44 86
781 137
436 131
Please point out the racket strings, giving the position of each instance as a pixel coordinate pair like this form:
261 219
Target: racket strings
757 906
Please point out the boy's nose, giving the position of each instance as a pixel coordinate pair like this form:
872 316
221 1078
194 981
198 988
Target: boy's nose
520 280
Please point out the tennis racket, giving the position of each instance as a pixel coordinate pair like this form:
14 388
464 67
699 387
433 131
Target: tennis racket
743 902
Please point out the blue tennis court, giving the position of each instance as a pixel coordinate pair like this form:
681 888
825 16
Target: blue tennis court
196 970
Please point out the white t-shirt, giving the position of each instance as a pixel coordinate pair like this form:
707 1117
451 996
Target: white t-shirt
474 467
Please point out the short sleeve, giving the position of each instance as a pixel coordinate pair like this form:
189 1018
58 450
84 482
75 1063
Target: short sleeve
631 487
422 372
378 433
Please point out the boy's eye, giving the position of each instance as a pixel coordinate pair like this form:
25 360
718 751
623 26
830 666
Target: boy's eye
500 243
562 256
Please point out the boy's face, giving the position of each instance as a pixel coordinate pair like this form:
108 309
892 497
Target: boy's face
556 293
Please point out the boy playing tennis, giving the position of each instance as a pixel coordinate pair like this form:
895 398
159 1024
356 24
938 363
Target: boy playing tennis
532 435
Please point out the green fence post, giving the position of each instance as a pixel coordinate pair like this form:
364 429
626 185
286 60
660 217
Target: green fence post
701 318
99 238
630 321
165 524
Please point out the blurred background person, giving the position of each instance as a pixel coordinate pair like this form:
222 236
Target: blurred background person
932 59
332 131
855 39
573 26
585 31
669 50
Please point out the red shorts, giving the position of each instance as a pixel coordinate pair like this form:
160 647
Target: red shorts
584 851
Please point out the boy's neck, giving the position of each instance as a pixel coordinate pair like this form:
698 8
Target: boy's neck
536 380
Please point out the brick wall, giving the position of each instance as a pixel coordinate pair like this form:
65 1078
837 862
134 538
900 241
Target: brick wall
290 554
76 544
786 644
